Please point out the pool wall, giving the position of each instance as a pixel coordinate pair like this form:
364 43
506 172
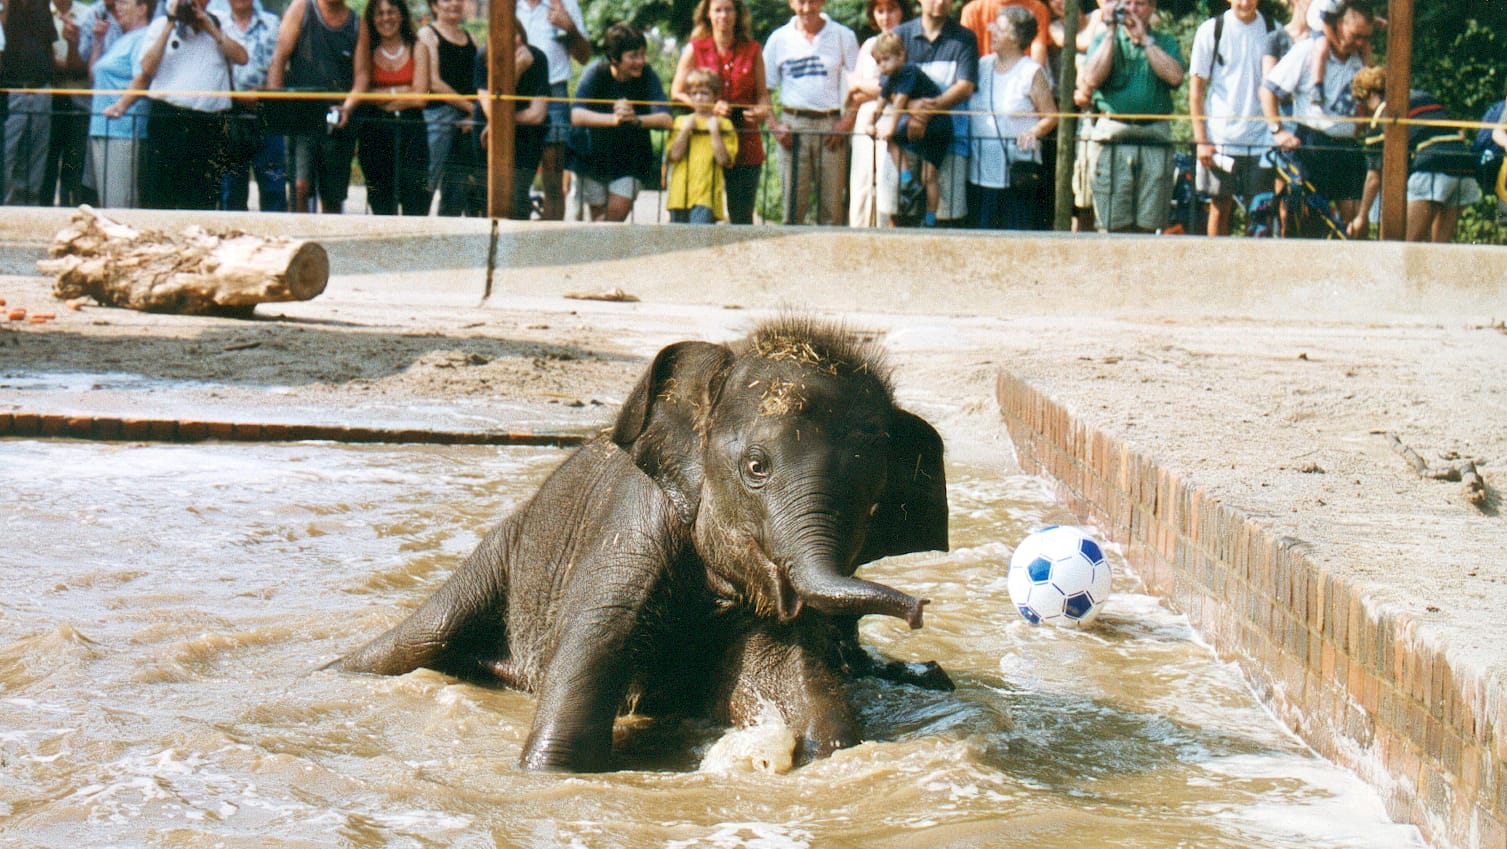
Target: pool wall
1365 687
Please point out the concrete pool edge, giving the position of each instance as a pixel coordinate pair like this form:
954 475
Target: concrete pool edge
1365 686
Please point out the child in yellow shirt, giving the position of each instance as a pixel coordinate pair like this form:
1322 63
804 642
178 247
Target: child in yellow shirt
702 146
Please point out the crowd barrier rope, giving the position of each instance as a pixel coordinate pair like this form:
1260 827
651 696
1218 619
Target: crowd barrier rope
770 126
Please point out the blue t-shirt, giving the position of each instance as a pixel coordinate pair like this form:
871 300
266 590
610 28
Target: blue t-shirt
952 57
613 152
113 73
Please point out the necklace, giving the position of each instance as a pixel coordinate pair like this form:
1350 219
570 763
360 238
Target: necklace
393 55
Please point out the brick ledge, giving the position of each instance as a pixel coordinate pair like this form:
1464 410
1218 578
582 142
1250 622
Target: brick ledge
1360 684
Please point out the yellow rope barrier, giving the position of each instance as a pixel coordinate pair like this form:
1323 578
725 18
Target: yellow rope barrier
500 97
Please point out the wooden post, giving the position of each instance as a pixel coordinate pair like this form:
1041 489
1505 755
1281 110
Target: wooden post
1067 125
1394 169
501 80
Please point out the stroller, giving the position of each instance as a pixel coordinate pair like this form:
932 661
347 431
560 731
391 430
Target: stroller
1306 211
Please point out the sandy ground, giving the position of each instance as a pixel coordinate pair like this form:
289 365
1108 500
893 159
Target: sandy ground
1287 420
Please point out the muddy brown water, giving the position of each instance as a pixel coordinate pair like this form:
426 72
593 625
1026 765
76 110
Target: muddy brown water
166 609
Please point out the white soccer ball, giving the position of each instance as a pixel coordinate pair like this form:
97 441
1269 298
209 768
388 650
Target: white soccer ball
1059 576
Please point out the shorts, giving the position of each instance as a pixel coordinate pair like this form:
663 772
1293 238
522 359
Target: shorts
1444 189
594 193
1336 166
558 117
1247 178
1133 175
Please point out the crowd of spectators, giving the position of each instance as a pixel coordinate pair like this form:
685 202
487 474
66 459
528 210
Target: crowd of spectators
944 117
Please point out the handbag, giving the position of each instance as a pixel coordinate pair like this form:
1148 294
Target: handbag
243 133
1025 174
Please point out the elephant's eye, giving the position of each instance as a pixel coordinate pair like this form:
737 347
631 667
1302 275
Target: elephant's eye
755 467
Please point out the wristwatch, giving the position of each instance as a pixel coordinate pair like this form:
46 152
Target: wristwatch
1275 127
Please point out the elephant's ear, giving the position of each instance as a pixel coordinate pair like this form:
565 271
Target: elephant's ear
663 419
912 511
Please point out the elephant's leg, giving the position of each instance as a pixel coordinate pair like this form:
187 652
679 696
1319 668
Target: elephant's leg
797 669
586 679
460 630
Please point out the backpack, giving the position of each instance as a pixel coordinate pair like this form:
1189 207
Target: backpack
1440 150
1266 19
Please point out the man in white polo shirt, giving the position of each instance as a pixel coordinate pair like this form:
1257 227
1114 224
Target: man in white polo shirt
808 60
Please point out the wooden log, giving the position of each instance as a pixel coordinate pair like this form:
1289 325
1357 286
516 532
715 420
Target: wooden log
196 272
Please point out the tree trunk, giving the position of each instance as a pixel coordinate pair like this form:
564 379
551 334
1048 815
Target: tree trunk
193 273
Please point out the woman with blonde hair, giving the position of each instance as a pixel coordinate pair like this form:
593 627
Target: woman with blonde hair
1441 165
722 42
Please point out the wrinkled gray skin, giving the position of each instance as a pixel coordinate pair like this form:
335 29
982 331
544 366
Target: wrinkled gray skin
699 558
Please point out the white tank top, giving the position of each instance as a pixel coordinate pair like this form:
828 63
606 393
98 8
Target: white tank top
994 133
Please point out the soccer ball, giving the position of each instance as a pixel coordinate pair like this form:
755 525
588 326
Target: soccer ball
1059 576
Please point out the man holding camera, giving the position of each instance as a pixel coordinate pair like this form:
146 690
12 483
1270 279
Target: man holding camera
185 62
1131 72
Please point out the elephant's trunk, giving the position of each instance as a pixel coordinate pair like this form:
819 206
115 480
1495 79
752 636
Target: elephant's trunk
828 591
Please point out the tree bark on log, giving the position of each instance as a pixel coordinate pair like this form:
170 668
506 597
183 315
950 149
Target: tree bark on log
194 273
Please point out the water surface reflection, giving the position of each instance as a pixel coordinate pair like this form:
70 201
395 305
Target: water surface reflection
167 607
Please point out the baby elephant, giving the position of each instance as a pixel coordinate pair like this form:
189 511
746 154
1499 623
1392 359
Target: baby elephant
698 559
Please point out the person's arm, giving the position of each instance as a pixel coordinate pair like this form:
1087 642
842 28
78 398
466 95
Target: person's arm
1270 110
362 79
575 40
231 49
886 115
1360 227
287 37
682 141
537 110
1167 67
1046 105
72 61
151 57
724 145
683 68
133 93
927 108
658 117
1101 61
1198 89
763 106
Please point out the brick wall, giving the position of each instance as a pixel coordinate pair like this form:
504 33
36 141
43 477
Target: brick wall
1364 686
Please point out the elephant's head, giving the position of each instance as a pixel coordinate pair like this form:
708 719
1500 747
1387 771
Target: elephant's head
786 455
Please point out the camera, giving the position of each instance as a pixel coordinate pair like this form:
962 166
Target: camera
1117 17
183 12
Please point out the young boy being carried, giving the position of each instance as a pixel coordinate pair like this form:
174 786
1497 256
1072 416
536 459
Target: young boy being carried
1322 16
703 145
926 136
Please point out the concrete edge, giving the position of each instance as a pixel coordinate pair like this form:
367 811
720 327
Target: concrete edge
454 260
1365 686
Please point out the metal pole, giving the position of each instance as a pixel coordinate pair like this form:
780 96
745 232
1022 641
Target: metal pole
1394 168
501 80
1067 125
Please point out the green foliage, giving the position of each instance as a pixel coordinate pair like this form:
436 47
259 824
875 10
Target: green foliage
1461 65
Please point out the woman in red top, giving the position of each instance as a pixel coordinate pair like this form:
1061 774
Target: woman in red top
722 42
394 145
